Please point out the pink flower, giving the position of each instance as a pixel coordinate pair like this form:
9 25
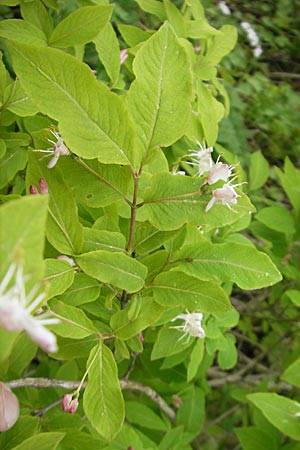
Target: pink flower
16 308
192 325
9 408
219 171
69 404
226 195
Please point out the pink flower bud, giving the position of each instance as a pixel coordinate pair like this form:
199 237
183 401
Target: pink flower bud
69 404
33 190
9 408
141 337
43 186
123 55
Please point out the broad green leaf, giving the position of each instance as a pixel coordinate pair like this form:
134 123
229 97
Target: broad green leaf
35 13
200 29
197 9
84 290
78 439
125 327
277 218
292 373
100 184
222 44
167 343
107 46
59 275
7 340
211 112
74 322
282 412
259 171
115 268
173 200
172 439
148 238
290 181
25 427
17 101
102 399
20 31
23 352
94 239
92 120
159 99
42 441
227 355
133 35
178 289
293 295
64 231
175 18
73 348
26 237
4 77
254 438
191 413
154 7
241 264
195 359
81 26
142 415
14 159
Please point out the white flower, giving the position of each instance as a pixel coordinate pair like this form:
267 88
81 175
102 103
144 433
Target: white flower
226 195
192 325
58 149
16 308
253 38
224 8
219 171
203 159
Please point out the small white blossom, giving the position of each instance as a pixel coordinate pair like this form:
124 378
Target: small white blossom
202 159
219 171
16 308
253 38
192 326
224 8
58 149
123 55
226 195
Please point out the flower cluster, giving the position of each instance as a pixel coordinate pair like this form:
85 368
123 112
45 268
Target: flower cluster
252 38
58 149
216 171
16 309
192 326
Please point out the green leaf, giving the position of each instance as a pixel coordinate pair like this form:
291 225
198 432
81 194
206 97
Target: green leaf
125 327
175 18
17 101
254 438
107 46
200 29
26 236
191 413
64 230
148 238
94 239
84 290
292 373
167 343
25 427
154 7
116 268
173 200
195 359
59 275
227 355
76 324
7 341
178 289
282 412
259 171
102 399
81 26
35 13
277 218
20 31
42 441
211 112
293 295
14 159
142 415
290 181
133 35
241 264
92 120
159 99
222 44
23 351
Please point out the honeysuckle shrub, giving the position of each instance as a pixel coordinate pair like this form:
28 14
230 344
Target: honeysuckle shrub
122 244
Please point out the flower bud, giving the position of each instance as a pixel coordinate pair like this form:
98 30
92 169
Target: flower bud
69 404
43 186
33 190
9 408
